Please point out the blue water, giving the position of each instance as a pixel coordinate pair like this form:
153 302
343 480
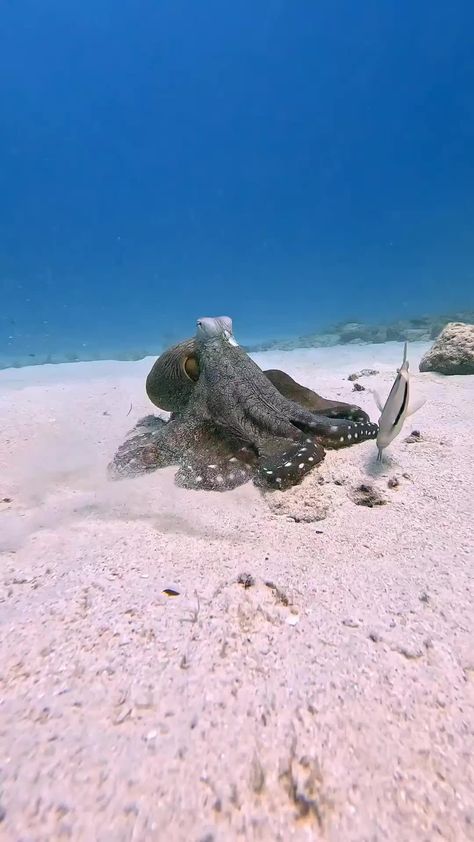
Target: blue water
287 163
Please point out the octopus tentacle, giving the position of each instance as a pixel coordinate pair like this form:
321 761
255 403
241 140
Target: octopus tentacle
294 391
208 458
211 456
333 432
216 461
285 462
143 450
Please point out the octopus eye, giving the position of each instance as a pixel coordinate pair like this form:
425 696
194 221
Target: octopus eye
191 367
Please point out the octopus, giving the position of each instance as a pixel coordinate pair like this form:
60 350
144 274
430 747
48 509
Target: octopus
230 421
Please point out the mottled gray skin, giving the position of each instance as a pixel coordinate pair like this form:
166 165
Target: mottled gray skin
236 425
172 380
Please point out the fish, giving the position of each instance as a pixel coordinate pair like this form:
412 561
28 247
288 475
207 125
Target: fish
397 407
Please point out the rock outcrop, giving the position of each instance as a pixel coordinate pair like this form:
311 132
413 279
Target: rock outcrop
453 351
416 329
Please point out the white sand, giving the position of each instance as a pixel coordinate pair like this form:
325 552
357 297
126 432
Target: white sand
336 705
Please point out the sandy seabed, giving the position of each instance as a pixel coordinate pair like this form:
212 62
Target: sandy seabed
314 677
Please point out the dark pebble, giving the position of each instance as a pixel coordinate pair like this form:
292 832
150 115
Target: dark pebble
367 495
414 436
246 580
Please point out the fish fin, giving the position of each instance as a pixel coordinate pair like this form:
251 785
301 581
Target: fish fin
405 364
285 462
415 405
377 400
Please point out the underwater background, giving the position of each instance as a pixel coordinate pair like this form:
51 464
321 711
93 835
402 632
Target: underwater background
290 164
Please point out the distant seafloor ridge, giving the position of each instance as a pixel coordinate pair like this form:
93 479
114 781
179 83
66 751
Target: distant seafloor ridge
416 329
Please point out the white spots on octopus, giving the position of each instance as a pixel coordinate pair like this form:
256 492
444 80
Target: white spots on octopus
217 477
359 431
301 458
